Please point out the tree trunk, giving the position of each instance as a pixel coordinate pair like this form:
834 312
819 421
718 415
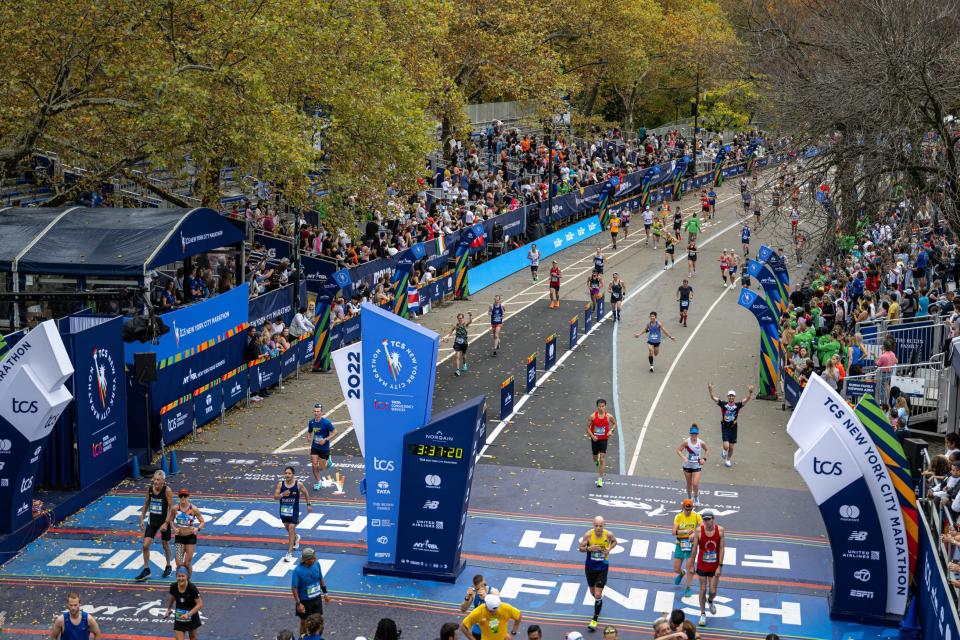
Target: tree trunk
591 99
445 136
207 183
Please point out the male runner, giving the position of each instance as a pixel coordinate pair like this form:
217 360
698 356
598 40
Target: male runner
693 452
745 239
734 265
614 229
320 431
74 624
685 525
554 285
474 598
669 248
724 267
756 212
288 492
654 328
159 503
747 197
597 543
677 222
600 426
625 222
704 205
709 543
729 411
497 313
713 202
692 258
598 261
692 228
534 257
794 220
647 223
617 290
684 296
460 342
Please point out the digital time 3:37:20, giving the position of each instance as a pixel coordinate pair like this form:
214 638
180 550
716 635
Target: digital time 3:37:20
435 451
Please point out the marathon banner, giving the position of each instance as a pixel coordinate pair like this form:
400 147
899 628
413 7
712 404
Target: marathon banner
346 361
718 165
650 177
467 239
771 287
263 373
605 198
185 376
176 419
268 306
573 331
208 402
398 371
100 394
778 265
769 361
506 397
850 483
276 248
401 278
33 394
197 326
936 606
290 360
321 324
436 481
234 386
679 170
913 339
317 272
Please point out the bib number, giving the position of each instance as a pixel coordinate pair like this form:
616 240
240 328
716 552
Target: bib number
599 431
494 625
182 614
286 510
317 438
686 544
710 557
684 304
460 340
314 591
156 507
599 556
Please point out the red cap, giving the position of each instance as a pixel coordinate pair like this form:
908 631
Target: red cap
183 492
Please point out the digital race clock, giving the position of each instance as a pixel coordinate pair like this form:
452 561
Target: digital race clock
435 451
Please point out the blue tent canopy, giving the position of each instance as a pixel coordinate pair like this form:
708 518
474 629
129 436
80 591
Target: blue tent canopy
108 242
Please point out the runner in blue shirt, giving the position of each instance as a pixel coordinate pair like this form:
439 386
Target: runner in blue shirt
497 313
654 330
308 587
74 624
288 492
320 431
713 203
745 239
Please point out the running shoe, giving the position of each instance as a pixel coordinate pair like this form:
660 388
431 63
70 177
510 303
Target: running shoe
330 463
687 592
703 620
679 578
457 372
727 463
167 571
599 482
723 454
592 625
288 557
296 542
713 608
651 367
696 501
143 575
317 487
664 267
464 366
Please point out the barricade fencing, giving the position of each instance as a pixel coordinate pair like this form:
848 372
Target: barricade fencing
917 339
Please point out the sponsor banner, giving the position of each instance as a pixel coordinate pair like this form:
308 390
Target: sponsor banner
771 286
756 305
847 476
270 305
936 606
207 404
100 391
289 360
347 361
573 332
587 319
203 367
531 372
176 420
550 352
351 330
317 272
306 349
264 374
336 336
437 476
791 388
199 324
914 340
491 271
778 264
398 370
234 386
506 397
276 248
33 394
201 231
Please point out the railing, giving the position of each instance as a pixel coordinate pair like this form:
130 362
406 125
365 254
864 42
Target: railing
941 521
920 382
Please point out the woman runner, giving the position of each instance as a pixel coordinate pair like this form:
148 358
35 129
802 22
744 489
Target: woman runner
187 522
595 287
617 290
497 313
668 249
185 602
691 259
654 329
693 452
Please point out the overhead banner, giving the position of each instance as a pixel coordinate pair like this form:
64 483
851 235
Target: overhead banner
398 370
849 481
100 391
198 324
778 265
33 394
269 306
347 363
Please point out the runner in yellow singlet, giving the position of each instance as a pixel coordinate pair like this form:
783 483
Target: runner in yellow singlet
685 525
614 228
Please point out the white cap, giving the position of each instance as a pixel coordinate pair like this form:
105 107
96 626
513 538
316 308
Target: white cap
731 392
574 635
492 601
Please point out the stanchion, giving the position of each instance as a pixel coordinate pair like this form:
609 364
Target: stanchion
531 372
587 318
135 468
506 398
550 356
573 332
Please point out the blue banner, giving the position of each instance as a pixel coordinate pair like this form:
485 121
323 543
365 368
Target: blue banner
935 603
573 332
264 374
177 421
203 230
914 339
550 353
317 272
757 306
506 397
771 286
234 387
399 369
100 399
187 375
207 404
587 319
268 306
290 359
196 324
777 264
276 248
531 372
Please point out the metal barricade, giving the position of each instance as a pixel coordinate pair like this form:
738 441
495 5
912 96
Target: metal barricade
920 382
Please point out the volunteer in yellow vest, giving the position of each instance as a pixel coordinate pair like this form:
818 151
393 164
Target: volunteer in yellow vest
685 525
597 543
493 618
614 228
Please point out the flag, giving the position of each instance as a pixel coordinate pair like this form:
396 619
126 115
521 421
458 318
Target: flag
441 245
413 298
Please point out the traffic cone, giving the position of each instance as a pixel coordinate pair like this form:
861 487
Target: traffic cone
135 469
174 467
163 464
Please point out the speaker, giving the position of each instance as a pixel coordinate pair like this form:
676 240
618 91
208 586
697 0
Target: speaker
145 367
913 448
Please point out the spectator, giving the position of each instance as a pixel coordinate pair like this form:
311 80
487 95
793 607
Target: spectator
494 618
448 631
886 363
387 629
168 299
301 324
278 326
285 634
314 627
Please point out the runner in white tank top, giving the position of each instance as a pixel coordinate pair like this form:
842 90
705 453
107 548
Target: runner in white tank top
693 453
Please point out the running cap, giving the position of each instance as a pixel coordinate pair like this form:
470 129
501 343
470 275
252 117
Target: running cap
183 492
731 393
308 553
707 514
687 503
183 570
694 429
492 601
318 406
574 635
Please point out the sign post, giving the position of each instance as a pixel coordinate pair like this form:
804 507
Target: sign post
587 318
573 332
506 398
550 357
531 372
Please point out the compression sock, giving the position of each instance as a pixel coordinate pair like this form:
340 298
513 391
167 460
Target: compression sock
650 358
597 605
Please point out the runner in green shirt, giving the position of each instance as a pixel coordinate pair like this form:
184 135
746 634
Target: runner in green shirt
693 227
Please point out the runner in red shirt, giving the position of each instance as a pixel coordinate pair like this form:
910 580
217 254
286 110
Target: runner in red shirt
599 428
725 268
709 543
554 285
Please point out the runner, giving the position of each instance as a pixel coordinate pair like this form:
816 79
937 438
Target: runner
497 314
598 261
460 342
677 222
745 239
534 257
724 267
794 220
320 431
308 587
729 411
74 624
599 428
597 543
747 197
745 282
684 296
647 223
692 228
159 503
756 212
657 232
625 222
614 228
554 285
595 287
801 243
713 202
685 525
692 259
734 265
288 492
493 619
743 184
704 205
187 522
654 328
473 599
693 452
709 543
617 290
668 249
185 603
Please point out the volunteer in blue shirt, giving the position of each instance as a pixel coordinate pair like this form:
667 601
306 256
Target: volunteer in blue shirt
320 431
308 587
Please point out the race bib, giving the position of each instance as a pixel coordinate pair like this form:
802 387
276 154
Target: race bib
600 556
684 304
317 438
314 590
686 544
183 614
599 431
709 557
460 340
494 625
156 507
286 510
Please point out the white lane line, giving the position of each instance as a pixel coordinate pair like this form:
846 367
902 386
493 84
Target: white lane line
621 455
666 378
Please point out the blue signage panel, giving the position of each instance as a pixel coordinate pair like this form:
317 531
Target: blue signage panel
177 422
206 405
398 366
531 372
264 375
234 388
550 353
268 306
587 319
506 398
861 387
573 332
289 360
935 603
436 479
196 324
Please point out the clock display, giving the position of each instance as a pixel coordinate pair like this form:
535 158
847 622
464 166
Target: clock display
435 451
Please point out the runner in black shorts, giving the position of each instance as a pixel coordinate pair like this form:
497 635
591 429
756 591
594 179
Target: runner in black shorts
460 342
617 289
684 296
668 248
597 543
729 412
691 259
159 504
